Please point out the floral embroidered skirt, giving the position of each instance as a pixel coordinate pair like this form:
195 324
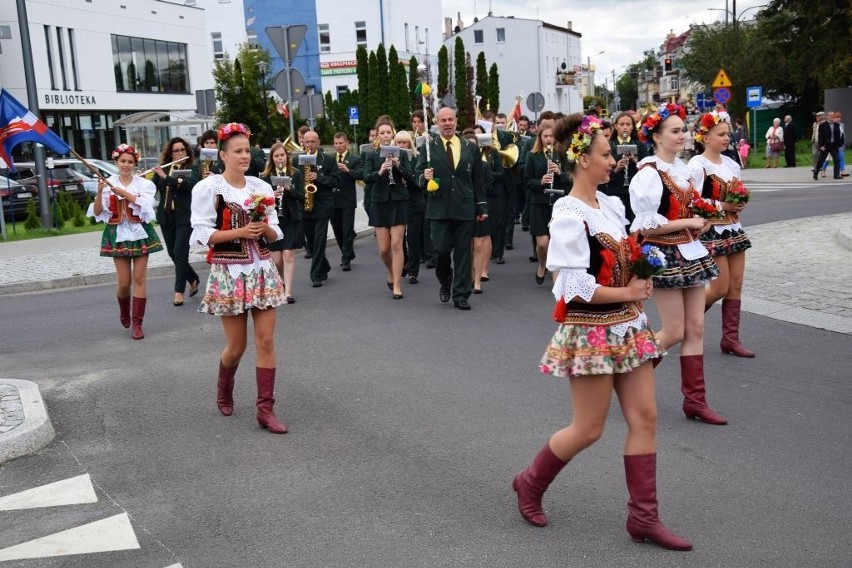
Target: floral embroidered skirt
729 242
683 273
129 249
229 296
583 350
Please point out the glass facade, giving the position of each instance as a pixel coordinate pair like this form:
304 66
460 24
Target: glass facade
149 65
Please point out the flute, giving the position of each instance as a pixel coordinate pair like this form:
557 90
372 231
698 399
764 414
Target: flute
148 171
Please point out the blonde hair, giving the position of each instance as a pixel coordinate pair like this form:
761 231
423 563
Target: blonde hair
405 136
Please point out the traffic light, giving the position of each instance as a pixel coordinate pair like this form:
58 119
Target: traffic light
667 64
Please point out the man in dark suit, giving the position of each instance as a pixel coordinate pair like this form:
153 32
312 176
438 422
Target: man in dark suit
456 165
789 142
829 139
315 223
349 170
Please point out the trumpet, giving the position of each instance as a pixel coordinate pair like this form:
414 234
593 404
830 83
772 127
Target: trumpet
207 156
306 161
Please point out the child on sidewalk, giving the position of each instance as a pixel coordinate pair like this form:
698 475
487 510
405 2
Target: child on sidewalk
742 149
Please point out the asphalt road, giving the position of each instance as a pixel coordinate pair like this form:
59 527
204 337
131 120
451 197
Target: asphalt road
408 420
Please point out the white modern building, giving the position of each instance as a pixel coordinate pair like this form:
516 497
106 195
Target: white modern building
531 56
96 61
223 21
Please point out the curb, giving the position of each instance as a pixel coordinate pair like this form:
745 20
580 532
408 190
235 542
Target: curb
33 430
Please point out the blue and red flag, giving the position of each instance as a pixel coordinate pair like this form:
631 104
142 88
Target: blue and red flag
17 124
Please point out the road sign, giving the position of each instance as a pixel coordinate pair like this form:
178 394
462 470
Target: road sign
287 40
297 84
722 95
754 96
721 80
535 102
353 113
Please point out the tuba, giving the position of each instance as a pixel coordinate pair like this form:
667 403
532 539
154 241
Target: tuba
509 152
306 161
292 147
208 156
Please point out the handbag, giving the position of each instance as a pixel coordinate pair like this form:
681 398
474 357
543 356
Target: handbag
777 145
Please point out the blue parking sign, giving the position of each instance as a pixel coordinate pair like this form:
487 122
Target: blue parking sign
353 113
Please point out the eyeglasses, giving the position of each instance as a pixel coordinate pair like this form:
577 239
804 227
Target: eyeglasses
178 150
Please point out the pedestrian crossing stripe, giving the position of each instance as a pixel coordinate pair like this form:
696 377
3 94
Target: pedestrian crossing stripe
107 535
71 491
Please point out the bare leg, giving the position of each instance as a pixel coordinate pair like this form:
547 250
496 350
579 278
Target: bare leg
140 276
736 271
123 274
541 243
264 337
397 235
670 306
235 328
288 260
590 398
718 288
636 395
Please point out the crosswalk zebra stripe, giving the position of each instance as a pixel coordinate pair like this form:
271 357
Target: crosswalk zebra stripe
71 491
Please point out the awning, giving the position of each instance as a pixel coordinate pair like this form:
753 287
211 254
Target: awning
163 118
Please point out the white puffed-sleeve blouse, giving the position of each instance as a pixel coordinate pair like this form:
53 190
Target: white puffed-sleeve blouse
728 170
143 208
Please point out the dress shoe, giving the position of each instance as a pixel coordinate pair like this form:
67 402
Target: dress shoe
178 300
525 227
500 260
462 304
533 258
509 246
317 284
485 279
397 296
477 290
346 267
815 175
444 295
540 279
193 289
838 177
324 277
291 300
412 280
430 264
308 254
390 286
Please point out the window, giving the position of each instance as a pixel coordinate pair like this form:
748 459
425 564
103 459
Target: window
218 48
478 37
149 65
251 38
60 44
49 56
501 35
361 33
341 90
324 38
73 49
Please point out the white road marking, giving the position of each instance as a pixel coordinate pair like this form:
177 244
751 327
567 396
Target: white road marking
175 566
106 535
71 491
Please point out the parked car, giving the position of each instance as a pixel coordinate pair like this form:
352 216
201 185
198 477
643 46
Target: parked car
105 168
59 178
15 197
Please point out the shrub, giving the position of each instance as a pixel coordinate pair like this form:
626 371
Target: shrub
33 222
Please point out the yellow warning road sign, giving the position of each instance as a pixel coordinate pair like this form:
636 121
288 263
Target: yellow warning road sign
722 80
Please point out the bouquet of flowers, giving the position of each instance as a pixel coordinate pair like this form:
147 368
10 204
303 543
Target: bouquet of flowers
705 209
737 194
258 206
647 261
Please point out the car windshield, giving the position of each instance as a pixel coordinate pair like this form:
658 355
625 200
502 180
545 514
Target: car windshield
6 182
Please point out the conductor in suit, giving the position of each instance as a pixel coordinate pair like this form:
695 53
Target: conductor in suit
349 169
452 208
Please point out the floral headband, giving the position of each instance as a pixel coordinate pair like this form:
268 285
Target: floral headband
582 139
708 120
233 129
125 149
654 119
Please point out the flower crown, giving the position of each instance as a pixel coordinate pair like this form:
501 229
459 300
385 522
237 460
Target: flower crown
232 129
708 120
125 149
582 139
654 119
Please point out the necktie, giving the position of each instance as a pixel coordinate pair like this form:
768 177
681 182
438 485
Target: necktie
450 154
339 158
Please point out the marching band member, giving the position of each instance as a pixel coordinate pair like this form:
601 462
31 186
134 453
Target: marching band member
416 209
127 209
234 215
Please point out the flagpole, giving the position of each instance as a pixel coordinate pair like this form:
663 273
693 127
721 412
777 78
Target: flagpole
32 102
95 170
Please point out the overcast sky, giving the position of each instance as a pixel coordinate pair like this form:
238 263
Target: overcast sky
622 29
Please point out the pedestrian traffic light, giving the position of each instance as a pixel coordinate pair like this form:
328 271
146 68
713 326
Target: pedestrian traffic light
667 64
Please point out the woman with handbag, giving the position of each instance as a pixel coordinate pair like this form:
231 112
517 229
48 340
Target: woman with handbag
774 143
603 343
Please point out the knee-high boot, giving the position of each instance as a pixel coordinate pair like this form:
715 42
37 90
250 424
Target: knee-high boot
731 330
124 310
137 316
265 400
694 392
532 482
643 519
225 388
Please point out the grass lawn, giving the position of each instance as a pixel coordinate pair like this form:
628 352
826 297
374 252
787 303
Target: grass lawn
803 156
17 232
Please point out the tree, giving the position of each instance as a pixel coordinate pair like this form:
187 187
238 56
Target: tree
375 105
481 81
460 79
242 92
493 88
443 72
383 76
627 86
397 100
413 79
362 68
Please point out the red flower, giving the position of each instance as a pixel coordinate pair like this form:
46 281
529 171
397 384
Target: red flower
635 249
605 275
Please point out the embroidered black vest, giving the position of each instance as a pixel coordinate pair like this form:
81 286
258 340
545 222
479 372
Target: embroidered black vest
674 204
232 216
716 188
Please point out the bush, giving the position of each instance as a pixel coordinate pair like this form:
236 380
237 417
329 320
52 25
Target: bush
33 222
79 218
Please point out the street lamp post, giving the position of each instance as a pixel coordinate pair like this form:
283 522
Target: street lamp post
733 13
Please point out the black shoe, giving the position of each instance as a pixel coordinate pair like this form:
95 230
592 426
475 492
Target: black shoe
193 288
477 291
397 296
509 246
430 264
404 272
346 266
324 277
412 280
540 279
485 279
317 284
533 259
390 285
838 177
500 260
291 300
815 175
444 295
308 254
525 227
461 304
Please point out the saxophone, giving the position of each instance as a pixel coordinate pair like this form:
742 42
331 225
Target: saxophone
310 189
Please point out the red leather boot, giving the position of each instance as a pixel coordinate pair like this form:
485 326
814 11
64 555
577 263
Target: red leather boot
694 393
643 519
137 317
225 389
532 482
265 400
124 311
730 343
